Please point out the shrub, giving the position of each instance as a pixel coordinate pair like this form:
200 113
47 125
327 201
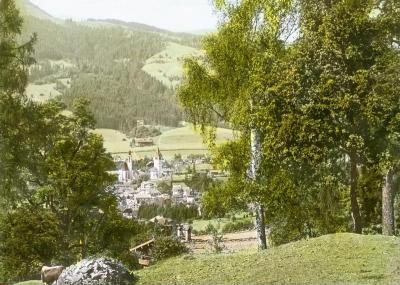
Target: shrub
144 132
210 228
29 238
166 247
238 226
217 242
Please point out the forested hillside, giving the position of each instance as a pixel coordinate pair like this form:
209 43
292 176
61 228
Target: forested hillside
103 62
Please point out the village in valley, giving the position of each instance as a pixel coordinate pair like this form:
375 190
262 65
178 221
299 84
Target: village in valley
211 142
138 186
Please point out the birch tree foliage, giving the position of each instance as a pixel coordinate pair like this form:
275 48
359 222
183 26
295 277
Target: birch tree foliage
218 86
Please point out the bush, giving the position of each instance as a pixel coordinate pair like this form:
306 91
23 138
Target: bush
166 247
217 242
29 238
144 132
238 226
210 228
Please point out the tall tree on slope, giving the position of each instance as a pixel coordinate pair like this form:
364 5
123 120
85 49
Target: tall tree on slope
344 91
227 83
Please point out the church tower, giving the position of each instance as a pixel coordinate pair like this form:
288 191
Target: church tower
158 162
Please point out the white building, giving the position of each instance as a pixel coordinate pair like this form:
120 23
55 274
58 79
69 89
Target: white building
126 169
158 166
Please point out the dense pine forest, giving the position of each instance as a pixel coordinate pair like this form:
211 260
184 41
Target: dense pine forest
107 63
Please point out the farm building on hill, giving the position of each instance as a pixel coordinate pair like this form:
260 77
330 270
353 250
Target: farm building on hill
141 142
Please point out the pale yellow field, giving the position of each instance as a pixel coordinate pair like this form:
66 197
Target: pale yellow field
184 141
65 64
42 93
114 141
66 82
167 66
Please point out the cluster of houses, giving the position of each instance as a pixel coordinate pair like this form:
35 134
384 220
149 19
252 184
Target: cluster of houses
130 196
128 172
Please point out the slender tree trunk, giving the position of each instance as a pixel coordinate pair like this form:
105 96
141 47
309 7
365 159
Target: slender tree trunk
355 208
260 227
256 156
388 219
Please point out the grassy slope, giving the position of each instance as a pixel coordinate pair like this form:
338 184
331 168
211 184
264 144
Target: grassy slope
114 141
183 140
42 93
166 66
332 259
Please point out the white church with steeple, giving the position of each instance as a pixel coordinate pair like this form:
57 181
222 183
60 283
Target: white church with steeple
126 171
158 166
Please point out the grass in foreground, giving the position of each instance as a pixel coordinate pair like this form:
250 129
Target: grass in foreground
331 259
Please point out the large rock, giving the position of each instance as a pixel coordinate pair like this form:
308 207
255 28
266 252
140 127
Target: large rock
100 271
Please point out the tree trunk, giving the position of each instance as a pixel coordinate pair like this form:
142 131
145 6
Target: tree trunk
256 155
388 204
260 227
355 208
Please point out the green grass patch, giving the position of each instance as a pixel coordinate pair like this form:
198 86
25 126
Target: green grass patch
167 66
184 141
201 225
331 259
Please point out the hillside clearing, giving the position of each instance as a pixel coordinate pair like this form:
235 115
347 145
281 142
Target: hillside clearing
331 259
167 66
184 141
42 93
114 141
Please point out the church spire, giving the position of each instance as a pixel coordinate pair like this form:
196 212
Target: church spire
158 154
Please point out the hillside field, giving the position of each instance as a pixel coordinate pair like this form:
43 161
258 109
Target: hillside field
42 93
167 66
331 259
185 140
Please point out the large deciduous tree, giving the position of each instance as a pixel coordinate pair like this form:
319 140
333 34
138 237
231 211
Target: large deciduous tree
227 83
342 97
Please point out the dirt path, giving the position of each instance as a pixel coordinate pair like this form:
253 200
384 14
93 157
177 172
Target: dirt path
232 242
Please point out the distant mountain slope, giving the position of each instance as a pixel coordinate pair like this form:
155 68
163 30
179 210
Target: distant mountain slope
28 8
131 25
104 63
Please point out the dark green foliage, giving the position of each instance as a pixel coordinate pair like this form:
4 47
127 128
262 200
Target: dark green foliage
219 200
126 94
200 182
14 57
29 238
145 132
165 188
238 226
166 247
53 174
114 239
